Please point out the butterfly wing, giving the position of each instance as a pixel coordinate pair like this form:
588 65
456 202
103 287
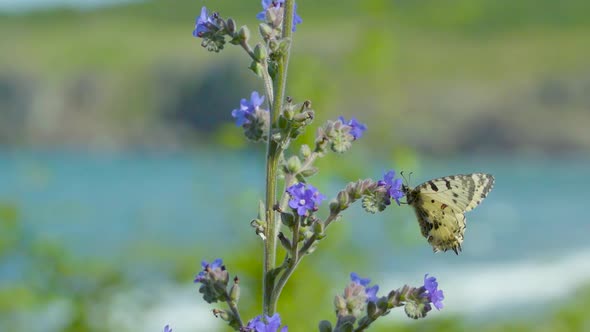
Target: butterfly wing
461 192
440 205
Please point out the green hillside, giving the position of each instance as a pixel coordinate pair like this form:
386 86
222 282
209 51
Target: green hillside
133 75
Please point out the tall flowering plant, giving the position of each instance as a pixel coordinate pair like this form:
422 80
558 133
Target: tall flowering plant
289 216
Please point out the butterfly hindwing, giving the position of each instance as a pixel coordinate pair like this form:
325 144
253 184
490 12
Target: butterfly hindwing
440 205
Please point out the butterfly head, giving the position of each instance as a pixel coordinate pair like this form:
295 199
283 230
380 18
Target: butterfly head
406 189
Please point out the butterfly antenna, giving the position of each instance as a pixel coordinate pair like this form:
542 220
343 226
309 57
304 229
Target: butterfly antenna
406 179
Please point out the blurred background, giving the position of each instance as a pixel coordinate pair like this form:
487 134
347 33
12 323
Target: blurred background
121 168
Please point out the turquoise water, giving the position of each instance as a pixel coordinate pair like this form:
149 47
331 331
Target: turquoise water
101 204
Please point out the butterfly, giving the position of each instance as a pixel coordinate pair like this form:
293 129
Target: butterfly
440 205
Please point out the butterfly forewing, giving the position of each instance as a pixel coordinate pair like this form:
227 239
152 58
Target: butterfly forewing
460 192
440 205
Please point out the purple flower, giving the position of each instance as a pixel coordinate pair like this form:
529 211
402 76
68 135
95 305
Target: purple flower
277 4
216 264
247 108
393 186
167 328
203 24
434 294
354 277
357 128
272 324
304 197
370 291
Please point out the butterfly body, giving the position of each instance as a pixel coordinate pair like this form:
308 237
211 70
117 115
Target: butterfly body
440 205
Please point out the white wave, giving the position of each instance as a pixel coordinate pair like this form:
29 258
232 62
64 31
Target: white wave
500 287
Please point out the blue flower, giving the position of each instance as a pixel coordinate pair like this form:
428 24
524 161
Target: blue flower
277 4
434 294
216 264
247 108
393 186
370 291
304 198
167 328
272 324
357 128
204 23
354 277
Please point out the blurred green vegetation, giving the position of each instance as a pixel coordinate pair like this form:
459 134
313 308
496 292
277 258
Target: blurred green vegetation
132 75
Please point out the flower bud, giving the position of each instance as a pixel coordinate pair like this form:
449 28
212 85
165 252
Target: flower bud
305 151
288 114
231 26
226 316
260 52
325 326
244 33
304 117
334 208
288 219
234 293
273 46
293 164
318 229
382 304
265 31
257 68
343 200
340 305
309 171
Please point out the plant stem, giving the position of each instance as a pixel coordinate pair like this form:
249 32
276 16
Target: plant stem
272 159
313 238
268 89
270 245
294 261
234 310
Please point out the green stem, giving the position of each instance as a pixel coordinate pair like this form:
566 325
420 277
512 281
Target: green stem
270 245
268 88
234 309
294 261
313 238
283 62
272 159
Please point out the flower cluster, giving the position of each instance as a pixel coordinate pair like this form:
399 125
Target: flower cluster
339 135
393 186
213 279
304 198
205 24
264 323
213 30
272 13
252 117
370 291
167 328
356 296
356 128
435 295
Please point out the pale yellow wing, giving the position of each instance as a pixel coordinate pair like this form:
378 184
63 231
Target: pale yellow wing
442 227
461 192
440 205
